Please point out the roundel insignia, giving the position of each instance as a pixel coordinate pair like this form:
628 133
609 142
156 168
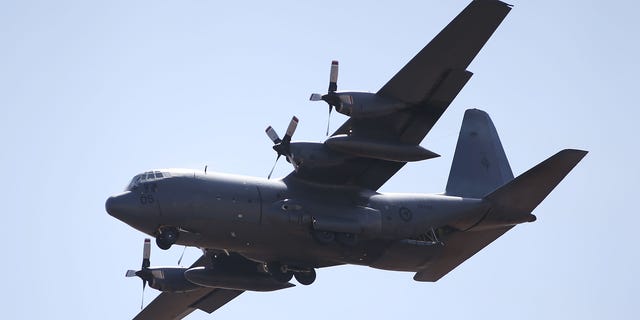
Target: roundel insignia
405 213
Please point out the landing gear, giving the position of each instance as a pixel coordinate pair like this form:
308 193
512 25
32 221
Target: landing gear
279 272
166 237
283 273
306 277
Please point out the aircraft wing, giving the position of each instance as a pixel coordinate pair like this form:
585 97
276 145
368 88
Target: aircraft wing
459 247
452 49
172 306
429 83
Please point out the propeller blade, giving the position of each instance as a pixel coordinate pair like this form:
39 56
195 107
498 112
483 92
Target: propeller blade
144 272
291 129
315 97
333 76
146 253
144 285
281 147
271 133
274 166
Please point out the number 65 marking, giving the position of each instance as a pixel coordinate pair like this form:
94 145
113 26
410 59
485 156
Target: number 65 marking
146 199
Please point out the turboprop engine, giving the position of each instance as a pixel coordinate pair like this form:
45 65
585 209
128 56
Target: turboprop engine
340 148
356 104
224 271
170 279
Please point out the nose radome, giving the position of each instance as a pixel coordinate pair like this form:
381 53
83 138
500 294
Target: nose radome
110 205
119 205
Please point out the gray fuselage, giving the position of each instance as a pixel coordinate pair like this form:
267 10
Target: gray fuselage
273 220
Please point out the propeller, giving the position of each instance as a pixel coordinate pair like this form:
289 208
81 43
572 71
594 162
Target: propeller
331 97
282 146
144 272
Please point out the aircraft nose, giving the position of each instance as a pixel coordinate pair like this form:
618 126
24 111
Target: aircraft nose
119 206
110 205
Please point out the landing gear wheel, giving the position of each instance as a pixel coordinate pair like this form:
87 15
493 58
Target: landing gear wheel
162 244
279 272
347 239
166 237
323 237
305 278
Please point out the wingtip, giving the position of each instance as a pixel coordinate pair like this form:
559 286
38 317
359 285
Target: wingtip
496 1
434 155
476 110
577 152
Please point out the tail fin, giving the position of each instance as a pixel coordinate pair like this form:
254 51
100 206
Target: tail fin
524 193
479 163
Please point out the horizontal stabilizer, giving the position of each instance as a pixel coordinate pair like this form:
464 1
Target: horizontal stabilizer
514 200
524 193
459 246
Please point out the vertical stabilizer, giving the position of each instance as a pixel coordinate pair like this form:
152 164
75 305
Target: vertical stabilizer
479 163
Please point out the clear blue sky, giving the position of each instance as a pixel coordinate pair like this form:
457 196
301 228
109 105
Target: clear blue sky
92 93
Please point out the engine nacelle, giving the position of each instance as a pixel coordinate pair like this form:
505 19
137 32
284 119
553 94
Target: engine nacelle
314 155
234 280
390 151
170 279
365 104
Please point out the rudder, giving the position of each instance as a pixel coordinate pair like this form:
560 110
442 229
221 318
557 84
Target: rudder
479 164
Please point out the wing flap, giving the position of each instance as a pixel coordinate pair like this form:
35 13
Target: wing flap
216 299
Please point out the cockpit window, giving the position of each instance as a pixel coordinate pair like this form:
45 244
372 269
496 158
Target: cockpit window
133 183
145 177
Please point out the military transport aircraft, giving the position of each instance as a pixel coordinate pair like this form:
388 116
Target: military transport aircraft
257 234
